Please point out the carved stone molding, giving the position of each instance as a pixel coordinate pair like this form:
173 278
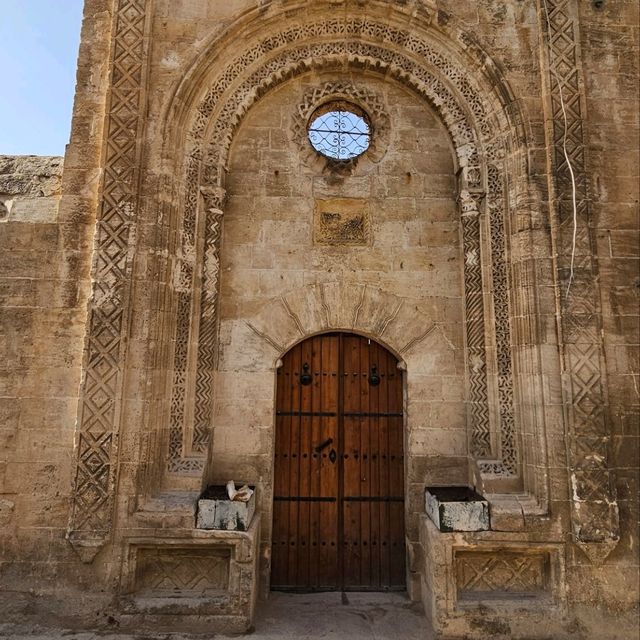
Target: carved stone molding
100 396
595 516
477 402
182 457
480 135
396 322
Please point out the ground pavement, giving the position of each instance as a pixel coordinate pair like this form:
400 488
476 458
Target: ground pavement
330 616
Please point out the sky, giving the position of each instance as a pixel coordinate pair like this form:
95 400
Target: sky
39 42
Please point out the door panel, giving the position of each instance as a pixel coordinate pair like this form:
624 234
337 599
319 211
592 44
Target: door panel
338 483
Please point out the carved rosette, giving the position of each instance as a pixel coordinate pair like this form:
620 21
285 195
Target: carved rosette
595 516
100 397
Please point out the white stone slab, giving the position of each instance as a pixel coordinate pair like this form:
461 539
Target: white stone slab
466 511
225 514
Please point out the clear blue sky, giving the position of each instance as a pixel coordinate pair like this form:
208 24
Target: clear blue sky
38 50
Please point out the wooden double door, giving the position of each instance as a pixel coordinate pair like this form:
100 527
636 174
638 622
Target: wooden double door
338 513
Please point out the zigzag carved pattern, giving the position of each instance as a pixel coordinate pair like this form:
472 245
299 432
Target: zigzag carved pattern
594 513
92 506
476 352
208 322
508 463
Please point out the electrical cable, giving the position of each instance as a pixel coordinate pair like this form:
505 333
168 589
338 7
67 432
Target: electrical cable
574 196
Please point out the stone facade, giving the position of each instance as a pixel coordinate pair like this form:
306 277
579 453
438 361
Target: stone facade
488 238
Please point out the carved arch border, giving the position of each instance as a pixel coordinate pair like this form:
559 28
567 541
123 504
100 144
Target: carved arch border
487 142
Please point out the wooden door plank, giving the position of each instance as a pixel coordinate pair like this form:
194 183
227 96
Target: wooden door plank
353 544
314 467
377 405
364 490
351 471
329 470
294 477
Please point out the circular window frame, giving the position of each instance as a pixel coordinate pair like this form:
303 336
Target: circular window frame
341 105
333 92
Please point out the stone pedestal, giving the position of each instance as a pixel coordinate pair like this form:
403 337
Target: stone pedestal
491 584
204 581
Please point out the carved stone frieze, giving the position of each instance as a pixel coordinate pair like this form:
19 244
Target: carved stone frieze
185 459
99 410
595 517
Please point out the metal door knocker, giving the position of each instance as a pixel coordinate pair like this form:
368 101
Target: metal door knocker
305 377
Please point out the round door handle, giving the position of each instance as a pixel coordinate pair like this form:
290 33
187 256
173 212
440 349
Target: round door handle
333 456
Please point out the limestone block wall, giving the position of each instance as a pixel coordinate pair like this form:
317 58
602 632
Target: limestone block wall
47 227
268 253
41 337
272 248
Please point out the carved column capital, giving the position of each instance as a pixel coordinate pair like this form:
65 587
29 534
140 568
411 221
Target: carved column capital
470 201
214 197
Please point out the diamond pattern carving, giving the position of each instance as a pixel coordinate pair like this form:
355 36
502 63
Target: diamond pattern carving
181 572
594 507
500 572
92 506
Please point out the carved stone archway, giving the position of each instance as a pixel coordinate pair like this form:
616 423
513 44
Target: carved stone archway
483 142
487 147
423 51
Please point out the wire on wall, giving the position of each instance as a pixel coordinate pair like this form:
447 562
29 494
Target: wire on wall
552 67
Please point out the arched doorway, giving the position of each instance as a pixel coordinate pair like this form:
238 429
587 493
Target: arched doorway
338 518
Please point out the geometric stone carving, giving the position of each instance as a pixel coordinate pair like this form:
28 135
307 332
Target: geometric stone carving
206 579
99 407
507 462
201 337
496 574
421 67
181 572
478 397
500 573
595 517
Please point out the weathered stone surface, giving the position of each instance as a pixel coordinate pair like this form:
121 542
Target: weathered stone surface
147 297
225 514
466 511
